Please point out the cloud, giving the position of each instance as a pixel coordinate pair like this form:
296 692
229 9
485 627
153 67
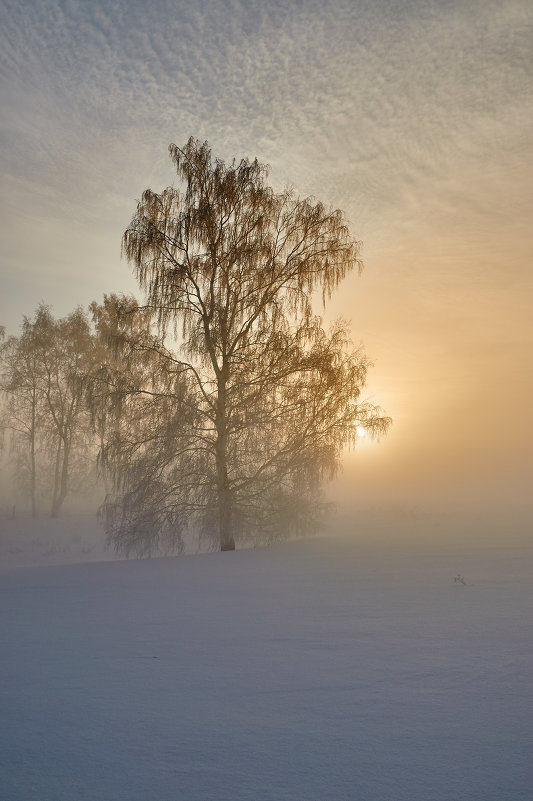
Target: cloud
381 108
374 91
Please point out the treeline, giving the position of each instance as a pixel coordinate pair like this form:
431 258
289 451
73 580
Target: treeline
55 379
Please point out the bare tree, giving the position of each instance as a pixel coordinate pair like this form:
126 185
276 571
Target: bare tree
45 373
255 400
121 330
66 355
22 383
143 414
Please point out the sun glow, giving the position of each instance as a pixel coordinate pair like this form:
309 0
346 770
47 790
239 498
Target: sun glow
361 432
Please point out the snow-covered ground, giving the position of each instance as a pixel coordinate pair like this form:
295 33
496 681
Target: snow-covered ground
313 671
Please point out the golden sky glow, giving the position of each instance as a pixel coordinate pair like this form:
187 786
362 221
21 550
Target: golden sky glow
414 117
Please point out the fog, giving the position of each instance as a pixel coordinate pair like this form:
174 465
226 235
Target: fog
404 521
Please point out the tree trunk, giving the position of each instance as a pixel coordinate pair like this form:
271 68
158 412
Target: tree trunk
59 497
227 542
55 492
32 456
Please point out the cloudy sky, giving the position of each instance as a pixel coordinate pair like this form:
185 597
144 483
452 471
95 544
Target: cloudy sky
413 116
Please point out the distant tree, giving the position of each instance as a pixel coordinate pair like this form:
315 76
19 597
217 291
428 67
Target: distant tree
238 421
22 384
45 373
66 352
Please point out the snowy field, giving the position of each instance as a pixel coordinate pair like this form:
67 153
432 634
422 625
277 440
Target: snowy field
313 671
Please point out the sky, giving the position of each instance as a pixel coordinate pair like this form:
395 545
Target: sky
414 117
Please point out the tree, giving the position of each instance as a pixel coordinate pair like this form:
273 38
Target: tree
142 413
22 383
66 354
122 331
256 400
45 373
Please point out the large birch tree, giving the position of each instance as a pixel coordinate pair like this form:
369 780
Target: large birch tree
251 401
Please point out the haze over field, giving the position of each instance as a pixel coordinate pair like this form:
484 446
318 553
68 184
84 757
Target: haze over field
413 117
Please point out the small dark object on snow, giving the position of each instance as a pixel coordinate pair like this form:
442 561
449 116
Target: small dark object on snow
459 579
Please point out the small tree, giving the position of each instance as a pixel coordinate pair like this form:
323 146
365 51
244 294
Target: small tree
258 400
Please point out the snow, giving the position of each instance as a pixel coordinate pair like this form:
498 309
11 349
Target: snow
313 671
47 541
